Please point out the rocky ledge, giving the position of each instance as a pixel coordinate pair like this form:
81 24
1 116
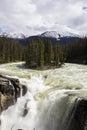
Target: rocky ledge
10 89
78 116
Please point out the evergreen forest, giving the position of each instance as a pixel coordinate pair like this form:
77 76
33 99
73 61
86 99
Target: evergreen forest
41 53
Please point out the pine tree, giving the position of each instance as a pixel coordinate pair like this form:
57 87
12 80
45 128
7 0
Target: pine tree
56 55
41 53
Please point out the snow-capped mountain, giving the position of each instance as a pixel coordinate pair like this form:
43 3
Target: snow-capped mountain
16 35
54 36
50 34
12 35
61 31
58 35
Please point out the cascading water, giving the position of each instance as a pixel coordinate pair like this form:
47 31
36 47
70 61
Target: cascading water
48 103
21 92
39 109
14 93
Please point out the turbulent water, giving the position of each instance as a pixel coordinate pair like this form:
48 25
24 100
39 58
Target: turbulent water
49 99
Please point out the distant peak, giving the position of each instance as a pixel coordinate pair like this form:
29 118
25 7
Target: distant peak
13 35
57 35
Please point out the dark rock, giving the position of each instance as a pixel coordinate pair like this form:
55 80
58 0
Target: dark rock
45 76
9 91
6 101
78 119
24 89
25 111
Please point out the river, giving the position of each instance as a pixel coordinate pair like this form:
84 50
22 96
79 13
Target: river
50 97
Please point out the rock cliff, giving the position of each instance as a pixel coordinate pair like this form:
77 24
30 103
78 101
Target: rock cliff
9 91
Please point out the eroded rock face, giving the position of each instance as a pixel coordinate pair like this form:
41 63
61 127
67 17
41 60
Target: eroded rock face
6 101
79 116
9 91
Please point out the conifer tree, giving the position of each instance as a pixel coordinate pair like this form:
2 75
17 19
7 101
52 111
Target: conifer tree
56 55
41 53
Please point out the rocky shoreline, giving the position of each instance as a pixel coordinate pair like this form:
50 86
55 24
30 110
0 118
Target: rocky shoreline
10 89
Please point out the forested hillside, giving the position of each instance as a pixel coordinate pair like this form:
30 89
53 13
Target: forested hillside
40 53
77 52
10 50
43 53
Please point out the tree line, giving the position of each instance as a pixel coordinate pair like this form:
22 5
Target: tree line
39 53
77 51
45 53
10 50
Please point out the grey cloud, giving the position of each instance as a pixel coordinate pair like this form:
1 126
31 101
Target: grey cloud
84 8
41 28
37 29
36 16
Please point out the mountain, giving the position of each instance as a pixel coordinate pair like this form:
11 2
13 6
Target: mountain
58 35
4 31
55 36
64 37
13 35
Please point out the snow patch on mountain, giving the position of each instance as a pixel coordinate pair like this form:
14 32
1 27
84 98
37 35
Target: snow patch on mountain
13 35
61 31
58 35
16 35
4 31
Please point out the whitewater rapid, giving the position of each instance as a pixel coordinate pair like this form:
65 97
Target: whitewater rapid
50 97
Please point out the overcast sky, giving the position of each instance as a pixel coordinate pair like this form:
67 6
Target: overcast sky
36 16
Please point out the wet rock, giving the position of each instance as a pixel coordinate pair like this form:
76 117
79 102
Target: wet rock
6 101
9 91
24 89
78 119
45 76
25 111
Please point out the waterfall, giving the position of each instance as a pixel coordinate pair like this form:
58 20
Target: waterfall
42 108
72 113
51 103
79 115
21 91
14 93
